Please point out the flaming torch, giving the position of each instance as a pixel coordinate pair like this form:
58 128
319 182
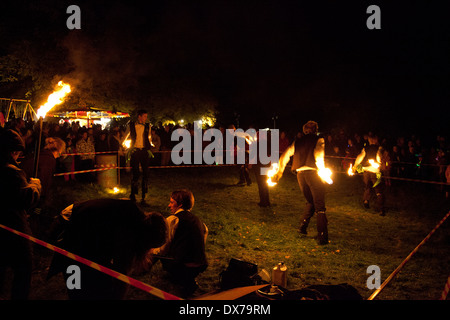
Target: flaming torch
57 97
325 175
271 173
350 170
374 164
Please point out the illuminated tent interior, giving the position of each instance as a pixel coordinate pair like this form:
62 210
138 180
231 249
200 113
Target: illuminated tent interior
87 117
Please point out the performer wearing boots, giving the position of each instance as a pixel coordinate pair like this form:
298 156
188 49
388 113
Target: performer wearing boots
140 145
308 157
370 160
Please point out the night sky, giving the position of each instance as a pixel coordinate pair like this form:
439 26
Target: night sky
297 60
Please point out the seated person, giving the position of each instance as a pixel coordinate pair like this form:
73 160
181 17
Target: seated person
183 256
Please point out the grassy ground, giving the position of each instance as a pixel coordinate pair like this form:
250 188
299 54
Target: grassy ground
240 229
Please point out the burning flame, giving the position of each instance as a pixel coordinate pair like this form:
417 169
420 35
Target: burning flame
271 173
246 136
127 144
325 175
374 164
53 99
350 170
115 190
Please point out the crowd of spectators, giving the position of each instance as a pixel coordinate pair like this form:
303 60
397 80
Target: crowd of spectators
407 156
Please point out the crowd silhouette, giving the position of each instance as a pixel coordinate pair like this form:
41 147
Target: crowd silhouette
405 156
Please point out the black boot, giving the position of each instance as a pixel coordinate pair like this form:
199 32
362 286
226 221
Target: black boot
322 228
303 227
143 202
134 191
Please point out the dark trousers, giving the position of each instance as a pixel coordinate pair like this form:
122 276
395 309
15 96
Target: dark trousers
16 254
139 157
370 179
263 187
244 176
314 192
21 280
183 275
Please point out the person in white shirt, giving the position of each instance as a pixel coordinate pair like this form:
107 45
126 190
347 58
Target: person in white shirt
140 134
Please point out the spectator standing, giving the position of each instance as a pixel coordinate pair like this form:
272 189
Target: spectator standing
166 145
155 146
284 142
101 143
86 149
17 195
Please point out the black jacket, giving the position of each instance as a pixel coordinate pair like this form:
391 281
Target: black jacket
304 152
188 245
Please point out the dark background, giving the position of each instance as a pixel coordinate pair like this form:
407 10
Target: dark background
248 60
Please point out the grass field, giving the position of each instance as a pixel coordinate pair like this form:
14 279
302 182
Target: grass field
240 229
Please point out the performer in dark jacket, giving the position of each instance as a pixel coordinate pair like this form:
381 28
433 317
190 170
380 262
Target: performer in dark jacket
263 141
184 252
370 160
308 161
113 233
140 135
17 196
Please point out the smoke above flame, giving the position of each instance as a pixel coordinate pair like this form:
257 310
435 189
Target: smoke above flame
57 97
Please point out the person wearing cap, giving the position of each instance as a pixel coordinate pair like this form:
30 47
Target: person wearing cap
17 195
308 154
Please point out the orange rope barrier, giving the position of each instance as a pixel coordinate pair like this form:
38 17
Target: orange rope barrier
120 276
397 270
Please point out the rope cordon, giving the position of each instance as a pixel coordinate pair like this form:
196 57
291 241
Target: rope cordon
397 270
120 276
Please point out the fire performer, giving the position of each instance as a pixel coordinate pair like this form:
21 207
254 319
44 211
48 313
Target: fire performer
140 134
369 162
308 161
263 187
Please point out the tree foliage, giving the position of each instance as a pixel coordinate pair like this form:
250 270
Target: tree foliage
109 63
